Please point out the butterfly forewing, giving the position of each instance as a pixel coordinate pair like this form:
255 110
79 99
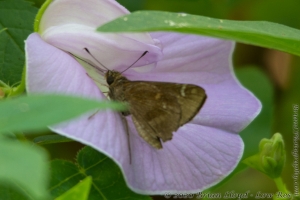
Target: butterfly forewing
190 98
162 108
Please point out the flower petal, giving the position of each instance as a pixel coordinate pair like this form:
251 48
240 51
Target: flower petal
114 51
91 13
66 25
205 62
196 158
50 70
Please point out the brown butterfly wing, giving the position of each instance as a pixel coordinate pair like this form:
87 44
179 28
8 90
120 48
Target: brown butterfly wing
159 109
147 133
153 112
190 98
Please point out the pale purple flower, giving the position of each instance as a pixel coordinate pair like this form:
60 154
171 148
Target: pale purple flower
201 152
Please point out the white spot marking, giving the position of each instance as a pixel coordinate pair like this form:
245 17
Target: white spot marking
125 18
221 21
182 90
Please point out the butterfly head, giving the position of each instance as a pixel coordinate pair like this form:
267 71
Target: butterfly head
113 76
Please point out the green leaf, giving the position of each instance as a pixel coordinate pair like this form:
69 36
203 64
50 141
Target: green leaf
50 139
17 16
23 166
265 34
4 29
18 90
8 191
80 191
37 3
38 111
108 181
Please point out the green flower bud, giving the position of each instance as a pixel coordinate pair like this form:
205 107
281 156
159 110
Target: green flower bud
271 157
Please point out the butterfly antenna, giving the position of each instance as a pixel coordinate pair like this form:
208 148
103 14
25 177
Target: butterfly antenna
95 67
95 58
135 61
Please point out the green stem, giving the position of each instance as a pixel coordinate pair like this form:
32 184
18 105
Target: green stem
281 187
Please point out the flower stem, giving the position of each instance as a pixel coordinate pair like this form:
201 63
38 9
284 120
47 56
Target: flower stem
282 188
280 185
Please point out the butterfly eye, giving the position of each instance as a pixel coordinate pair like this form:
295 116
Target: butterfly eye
110 80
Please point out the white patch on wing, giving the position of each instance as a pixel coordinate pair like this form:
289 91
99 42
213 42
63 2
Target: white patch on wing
182 90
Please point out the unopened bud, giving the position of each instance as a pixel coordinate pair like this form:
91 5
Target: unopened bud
271 157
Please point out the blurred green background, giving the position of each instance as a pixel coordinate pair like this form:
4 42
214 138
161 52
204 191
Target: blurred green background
273 76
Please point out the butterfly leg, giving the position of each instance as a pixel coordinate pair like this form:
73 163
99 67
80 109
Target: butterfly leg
128 136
